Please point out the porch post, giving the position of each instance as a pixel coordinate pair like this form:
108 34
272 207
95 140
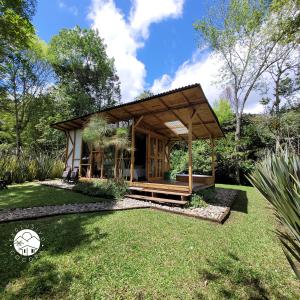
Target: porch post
116 162
190 156
132 150
116 158
213 172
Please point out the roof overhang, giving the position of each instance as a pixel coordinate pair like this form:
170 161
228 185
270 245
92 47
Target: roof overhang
167 114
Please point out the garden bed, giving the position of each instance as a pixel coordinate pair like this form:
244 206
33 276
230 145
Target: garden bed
14 214
217 211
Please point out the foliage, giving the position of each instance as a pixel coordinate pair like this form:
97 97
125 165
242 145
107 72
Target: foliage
289 26
145 253
252 147
201 158
16 29
278 180
27 167
246 37
112 188
39 136
202 198
144 94
197 201
100 136
97 133
24 76
84 71
223 110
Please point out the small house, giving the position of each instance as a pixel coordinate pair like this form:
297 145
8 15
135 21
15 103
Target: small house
156 123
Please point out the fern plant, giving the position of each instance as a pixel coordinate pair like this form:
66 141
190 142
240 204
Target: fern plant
278 180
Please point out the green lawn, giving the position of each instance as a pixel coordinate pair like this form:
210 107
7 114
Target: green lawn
33 194
145 254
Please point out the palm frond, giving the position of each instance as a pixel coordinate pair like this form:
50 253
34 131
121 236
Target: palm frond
277 179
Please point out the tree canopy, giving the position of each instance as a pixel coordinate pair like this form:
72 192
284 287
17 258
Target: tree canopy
85 74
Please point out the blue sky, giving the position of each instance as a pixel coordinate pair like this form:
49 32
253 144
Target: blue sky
153 41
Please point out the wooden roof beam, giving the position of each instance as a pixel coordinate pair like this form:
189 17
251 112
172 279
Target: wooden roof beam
197 114
161 121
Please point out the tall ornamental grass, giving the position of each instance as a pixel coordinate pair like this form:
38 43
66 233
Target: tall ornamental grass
30 167
278 180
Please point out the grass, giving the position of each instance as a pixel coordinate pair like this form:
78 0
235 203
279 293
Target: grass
146 254
33 194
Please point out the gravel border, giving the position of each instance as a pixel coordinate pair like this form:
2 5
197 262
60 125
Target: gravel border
217 212
14 214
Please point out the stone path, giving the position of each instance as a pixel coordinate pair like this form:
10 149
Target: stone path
50 210
216 212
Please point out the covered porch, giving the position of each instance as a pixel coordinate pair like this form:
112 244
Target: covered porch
156 124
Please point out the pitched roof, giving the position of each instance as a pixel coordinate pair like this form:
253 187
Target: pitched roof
166 113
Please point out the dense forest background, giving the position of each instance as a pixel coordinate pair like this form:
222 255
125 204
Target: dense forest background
72 75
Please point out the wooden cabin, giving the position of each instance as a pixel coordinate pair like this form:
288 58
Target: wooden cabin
155 123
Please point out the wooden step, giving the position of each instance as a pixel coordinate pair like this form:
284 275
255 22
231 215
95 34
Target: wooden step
159 191
156 199
165 186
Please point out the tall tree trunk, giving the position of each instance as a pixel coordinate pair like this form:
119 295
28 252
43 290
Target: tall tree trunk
17 129
277 114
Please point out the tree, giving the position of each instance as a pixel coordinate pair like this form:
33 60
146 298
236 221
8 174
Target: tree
144 94
97 134
38 136
85 73
223 110
24 77
16 30
244 35
120 140
289 25
286 78
277 179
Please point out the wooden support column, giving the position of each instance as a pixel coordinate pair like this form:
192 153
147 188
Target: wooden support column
74 145
132 150
190 138
67 149
213 158
116 158
116 162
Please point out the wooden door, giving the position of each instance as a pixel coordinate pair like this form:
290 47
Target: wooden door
155 157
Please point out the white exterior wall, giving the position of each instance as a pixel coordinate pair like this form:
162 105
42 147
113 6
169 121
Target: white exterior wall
74 139
77 148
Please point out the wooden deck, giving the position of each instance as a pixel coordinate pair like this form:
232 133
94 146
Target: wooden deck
169 187
162 191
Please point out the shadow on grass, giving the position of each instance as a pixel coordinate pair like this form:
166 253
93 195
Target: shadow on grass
42 277
240 203
234 279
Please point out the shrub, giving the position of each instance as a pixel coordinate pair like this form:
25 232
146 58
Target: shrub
197 201
112 188
29 167
278 180
58 167
44 165
202 198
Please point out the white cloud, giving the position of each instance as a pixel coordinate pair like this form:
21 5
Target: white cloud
200 68
145 12
123 38
204 69
70 8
